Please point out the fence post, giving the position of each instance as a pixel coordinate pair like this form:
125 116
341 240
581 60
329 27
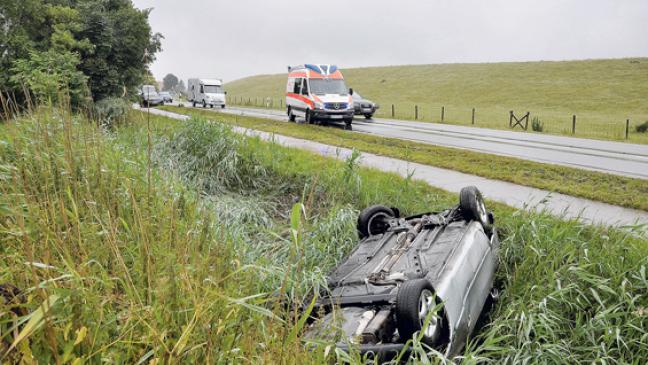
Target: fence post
574 124
442 113
510 119
280 103
473 116
415 112
392 110
627 127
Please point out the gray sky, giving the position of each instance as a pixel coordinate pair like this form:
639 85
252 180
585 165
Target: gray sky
230 39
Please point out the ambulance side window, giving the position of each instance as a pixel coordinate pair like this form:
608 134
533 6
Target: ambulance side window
297 89
305 87
201 89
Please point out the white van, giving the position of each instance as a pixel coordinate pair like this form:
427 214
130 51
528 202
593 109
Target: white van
318 94
206 92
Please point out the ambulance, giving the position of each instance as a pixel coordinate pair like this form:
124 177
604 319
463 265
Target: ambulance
318 94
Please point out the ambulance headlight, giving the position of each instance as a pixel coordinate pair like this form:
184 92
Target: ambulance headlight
319 105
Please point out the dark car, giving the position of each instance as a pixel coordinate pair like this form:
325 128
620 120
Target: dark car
429 274
149 96
362 106
166 96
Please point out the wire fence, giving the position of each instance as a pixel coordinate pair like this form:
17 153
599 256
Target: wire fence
585 125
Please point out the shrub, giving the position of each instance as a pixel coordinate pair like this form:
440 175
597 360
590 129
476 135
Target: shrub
111 111
537 125
642 128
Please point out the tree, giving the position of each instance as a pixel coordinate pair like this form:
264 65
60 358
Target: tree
110 40
169 82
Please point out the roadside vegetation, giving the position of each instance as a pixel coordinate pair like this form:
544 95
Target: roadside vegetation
171 242
601 93
607 188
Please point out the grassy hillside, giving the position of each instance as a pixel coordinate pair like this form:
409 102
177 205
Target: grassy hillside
602 93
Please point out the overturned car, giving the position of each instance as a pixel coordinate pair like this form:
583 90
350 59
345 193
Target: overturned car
430 274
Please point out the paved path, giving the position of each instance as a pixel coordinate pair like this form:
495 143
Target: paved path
625 159
514 195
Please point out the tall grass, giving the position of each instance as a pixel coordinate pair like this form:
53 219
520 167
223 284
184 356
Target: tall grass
188 269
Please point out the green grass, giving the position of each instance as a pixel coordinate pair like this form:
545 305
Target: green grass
601 93
166 244
617 190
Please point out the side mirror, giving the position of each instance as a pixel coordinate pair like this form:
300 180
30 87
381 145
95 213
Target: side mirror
350 91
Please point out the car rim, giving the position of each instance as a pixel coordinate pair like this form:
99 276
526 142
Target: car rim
483 216
370 224
426 303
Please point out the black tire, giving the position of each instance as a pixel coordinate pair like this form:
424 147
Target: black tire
194 103
410 318
223 106
368 116
373 220
309 117
291 116
472 206
204 104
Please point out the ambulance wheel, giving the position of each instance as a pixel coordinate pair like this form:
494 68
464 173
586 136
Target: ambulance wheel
204 104
309 117
291 116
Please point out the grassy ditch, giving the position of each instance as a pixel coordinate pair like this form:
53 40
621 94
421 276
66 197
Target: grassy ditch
607 188
167 244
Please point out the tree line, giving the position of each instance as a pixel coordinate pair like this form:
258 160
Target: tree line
87 49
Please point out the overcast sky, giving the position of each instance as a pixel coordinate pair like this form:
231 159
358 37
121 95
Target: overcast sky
230 39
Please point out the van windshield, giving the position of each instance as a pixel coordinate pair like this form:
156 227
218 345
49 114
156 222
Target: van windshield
328 86
212 89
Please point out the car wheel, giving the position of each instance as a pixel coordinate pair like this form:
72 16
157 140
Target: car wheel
194 103
204 104
414 301
291 116
368 116
373 220
223 106
211 106
472 206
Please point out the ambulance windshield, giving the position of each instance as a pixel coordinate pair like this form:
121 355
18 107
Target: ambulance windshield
328 86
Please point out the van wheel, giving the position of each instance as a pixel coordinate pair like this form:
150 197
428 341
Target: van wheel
212 106
368 116
194 103
204 104
223 106
291 116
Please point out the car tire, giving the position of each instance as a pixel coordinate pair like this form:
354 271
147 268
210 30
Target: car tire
372 220
194 103
472 206
223 106
414 300
204 104
368 116
291 116
211 106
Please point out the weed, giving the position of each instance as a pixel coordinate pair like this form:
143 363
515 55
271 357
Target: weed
537 125
642 128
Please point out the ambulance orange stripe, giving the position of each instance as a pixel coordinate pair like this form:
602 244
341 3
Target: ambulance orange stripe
302 98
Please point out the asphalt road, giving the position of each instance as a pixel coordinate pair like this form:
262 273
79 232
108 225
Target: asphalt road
605 156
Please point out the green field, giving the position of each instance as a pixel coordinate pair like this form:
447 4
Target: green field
601 93
170 242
